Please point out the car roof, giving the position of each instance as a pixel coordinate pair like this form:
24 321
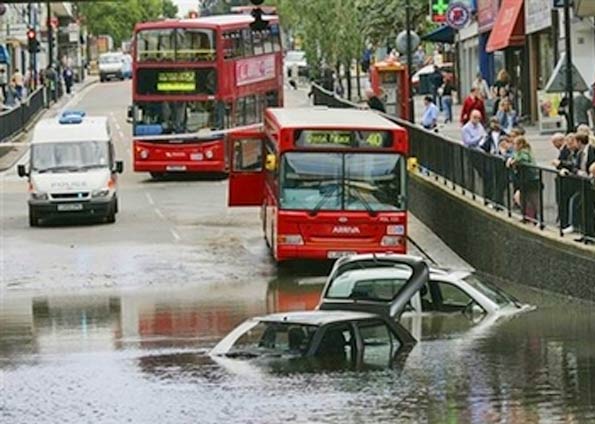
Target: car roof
323 117
317 317
92 128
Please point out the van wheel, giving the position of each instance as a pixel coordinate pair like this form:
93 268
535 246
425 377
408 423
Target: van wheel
33 219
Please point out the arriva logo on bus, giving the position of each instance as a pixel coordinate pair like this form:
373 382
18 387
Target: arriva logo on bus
345 229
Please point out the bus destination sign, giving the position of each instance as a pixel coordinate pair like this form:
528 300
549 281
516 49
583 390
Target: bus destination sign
176 82
341 139
180 82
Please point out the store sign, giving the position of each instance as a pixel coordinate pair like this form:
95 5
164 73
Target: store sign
458 15
256 69
538 15
487 11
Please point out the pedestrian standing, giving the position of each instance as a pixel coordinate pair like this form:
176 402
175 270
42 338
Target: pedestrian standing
436 81
524 165
473 131
3 80
472 102
502 83
18 81
430 117
491 141
481 85
68 76
447 90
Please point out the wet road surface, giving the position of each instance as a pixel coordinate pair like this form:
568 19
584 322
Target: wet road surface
112 323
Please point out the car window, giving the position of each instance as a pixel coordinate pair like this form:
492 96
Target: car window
377 284
337 343
493 293
274 338
450 298
379 343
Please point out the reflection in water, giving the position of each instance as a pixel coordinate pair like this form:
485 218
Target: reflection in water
76 354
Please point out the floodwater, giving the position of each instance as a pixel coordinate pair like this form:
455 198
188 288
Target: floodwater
141 357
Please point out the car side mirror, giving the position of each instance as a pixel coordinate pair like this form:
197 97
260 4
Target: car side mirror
119 166
22 171
130 114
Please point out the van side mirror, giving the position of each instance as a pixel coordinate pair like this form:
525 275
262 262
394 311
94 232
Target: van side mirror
22 171
119 166
270 163
130 114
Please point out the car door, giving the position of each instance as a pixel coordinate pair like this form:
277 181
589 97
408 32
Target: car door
246 178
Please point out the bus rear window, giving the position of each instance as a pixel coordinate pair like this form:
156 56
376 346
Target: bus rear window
169 45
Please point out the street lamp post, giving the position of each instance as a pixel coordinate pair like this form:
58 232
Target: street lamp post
569 83
409 60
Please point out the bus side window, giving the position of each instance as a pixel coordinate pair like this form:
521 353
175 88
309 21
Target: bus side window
257 41
247 42
240 113
247 155
232 44
251 114
267 41
272 99
275 38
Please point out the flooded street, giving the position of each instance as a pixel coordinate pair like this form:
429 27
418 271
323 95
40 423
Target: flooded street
105 323
142 357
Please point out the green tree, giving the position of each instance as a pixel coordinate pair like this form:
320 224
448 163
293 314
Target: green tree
169 9
118 18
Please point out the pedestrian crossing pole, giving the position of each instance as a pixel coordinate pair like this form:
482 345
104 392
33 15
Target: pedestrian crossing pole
569 83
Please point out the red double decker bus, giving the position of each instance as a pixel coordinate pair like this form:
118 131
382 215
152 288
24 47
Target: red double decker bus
331 182
194 77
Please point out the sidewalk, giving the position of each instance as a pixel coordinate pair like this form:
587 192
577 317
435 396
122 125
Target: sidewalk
19 143
542 148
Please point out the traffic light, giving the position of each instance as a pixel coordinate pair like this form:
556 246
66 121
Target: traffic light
32 43
259 24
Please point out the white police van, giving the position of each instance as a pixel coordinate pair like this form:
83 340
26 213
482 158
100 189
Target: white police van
72 169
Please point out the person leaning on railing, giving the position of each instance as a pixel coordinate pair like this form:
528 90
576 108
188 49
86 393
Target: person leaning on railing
524 165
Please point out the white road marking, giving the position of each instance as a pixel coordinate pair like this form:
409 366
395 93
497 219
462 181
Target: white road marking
159 214
150 199
175 235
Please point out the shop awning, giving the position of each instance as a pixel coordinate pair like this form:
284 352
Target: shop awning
509 29
444 34
4 55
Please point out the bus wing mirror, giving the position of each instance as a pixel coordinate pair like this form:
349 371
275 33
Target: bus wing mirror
271 162
22 171
119 166
130 114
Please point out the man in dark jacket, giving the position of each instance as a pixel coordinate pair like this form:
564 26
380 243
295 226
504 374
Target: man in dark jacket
436 81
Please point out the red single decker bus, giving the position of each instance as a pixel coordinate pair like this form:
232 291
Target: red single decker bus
194 77
331 182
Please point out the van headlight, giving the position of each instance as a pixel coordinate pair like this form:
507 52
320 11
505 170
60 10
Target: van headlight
100 193
38 195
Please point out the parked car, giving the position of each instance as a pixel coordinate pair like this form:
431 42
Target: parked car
342 331
417 80
296 58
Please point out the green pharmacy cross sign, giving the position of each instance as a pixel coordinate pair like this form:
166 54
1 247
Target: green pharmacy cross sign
438 10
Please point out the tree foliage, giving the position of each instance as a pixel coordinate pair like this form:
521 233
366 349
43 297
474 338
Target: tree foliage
118 18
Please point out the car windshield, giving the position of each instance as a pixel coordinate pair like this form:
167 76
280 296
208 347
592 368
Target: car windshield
52 157
273 338
343 181
155 118
375 284
493 293
110 59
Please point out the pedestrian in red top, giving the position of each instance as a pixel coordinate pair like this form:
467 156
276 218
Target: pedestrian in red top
472 102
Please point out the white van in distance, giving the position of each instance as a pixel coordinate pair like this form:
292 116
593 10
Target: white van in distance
72 168
111 65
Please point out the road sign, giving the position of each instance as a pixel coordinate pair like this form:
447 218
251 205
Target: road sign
458 15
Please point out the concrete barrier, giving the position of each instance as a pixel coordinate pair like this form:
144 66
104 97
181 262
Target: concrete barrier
501 246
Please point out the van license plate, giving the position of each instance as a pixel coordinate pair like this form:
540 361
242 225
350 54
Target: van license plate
69 207
339 254
196 156
176 168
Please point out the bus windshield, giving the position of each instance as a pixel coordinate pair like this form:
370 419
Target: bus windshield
156 118
181 45
343 181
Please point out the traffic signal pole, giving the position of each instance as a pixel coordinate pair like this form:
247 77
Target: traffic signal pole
569 83
409 61
50 35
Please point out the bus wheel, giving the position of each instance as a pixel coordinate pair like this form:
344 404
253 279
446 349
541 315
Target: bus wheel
157 175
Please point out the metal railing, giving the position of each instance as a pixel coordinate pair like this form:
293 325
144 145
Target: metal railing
537 195
15 120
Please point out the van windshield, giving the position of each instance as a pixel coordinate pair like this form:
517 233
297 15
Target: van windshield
110 59
69 157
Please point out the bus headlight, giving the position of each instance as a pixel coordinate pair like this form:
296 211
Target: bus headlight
144 154
290 239
391 241
38 195
209 154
